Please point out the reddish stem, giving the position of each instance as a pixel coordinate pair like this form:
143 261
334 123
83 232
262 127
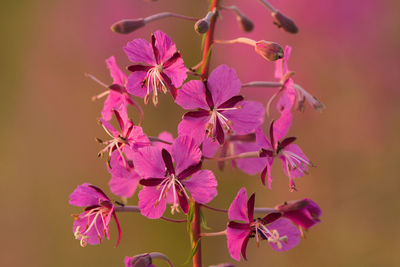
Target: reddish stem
209 41
196 235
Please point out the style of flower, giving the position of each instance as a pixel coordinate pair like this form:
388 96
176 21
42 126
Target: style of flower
295 163
290 91
219 107
234 145
125 141
280 233
304 213
164 183
91 226
161 67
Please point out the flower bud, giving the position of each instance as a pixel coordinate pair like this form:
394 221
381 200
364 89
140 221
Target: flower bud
269 50
126 26
284 22
245 23
141 260
202 26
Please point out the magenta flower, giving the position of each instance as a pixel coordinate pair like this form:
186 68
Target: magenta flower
161 67
130 137
292 92
280 233
91 225
305 212
219 107
165 183
234 145
143 260
295 163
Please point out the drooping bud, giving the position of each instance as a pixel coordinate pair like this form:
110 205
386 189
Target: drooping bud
202 25
245 23
126 26
269 50
141 260
284 22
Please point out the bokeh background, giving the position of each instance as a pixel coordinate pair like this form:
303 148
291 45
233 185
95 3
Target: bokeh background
346 54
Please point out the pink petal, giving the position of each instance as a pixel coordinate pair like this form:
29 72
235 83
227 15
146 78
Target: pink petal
177 72
193 127
139 50
96 233
124 186
116 73
282 125
192 95
285 228
303 168
185 152
202 186
148 197
262 140
235 239
166 136
137 138
165 46
84 196
281 65
210 147
251 165
247 118
149 163
288 97
238 208
114 100
223 84
109 127
135 84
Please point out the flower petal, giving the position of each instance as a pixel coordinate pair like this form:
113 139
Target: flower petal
116 73
235 239
223 84
238 208
285 228
193 127
148 198
139 50
85 195
247 118
202 186
177 72
185 152
251 165
135 84
149 163
192 95
166 47
282 125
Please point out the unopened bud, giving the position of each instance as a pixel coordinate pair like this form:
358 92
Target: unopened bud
245 23
269 50
126 26
202 26
284 22
141 260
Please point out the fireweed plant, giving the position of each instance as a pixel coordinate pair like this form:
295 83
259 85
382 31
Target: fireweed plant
219 124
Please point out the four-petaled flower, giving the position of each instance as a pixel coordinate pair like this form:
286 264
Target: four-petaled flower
290 91
305 212
219 107
91 225
280 233
164 69
165 183
295 163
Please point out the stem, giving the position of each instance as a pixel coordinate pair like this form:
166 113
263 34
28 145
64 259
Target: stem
240 40
214 234
263 84
196 230
214 209
253 154
256 210
269 6
166 15
136 209
157 255
156 139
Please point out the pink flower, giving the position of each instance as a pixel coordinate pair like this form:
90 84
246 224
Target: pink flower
219 107
129 138
295 163
118 97
305 212
165 183
291 92
234 145
91 225
163 67
142 260
281 234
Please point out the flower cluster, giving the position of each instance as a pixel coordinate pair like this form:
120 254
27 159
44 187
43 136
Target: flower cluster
219 124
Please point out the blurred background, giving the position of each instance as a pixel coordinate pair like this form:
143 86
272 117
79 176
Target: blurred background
346 54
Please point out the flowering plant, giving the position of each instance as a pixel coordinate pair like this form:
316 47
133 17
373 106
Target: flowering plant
219 125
